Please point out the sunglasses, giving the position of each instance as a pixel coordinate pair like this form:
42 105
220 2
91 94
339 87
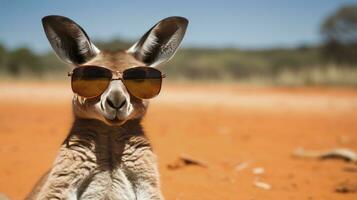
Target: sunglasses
91 81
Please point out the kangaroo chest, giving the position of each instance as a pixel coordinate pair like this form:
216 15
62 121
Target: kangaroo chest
113 185
116 168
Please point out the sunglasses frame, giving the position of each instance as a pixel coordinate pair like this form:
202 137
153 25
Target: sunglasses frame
117 75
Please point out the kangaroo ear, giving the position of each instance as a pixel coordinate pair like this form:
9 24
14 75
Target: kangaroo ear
161 42
68 40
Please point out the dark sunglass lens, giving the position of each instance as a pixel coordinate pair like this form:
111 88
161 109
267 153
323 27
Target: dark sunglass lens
90 81
143 82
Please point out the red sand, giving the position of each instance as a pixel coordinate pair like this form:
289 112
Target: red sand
221 125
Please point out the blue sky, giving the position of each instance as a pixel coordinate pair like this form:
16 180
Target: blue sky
245 24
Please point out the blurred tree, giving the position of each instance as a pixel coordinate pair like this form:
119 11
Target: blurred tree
2 58
113 45
2 52
22 60
340 34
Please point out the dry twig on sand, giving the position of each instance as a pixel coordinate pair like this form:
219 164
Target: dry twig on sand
339 153
185 160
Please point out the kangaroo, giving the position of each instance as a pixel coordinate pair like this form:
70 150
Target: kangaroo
106 154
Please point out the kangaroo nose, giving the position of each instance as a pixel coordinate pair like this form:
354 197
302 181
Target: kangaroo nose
116 101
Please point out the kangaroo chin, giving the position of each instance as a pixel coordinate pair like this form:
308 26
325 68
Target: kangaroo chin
106 154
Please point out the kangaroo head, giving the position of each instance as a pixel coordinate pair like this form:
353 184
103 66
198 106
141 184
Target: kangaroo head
116 104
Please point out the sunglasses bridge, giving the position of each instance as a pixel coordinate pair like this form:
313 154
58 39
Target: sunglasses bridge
117 75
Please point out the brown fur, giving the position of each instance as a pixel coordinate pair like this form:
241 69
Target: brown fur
116 61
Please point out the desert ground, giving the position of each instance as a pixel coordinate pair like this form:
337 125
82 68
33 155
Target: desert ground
241 136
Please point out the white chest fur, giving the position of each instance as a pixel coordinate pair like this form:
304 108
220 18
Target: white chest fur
107 185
